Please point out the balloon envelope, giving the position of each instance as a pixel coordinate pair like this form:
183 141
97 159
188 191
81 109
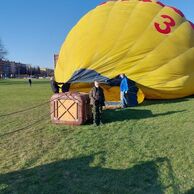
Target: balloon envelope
153 44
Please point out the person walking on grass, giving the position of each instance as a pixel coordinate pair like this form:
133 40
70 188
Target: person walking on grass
30 81
97 100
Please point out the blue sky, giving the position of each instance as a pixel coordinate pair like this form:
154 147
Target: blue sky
33 30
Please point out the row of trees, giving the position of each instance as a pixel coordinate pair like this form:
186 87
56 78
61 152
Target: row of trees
3 52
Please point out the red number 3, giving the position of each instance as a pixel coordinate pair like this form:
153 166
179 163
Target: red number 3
169 24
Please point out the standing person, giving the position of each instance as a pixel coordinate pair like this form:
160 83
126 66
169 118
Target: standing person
124 87
54 85
97 100
129 91
30 81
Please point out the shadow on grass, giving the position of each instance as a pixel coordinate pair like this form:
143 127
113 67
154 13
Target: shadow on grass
191 191
78 176
129 114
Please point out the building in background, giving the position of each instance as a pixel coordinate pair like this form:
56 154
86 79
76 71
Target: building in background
11 69
56 56
5 69
46 72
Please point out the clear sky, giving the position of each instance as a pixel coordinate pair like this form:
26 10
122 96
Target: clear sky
33 30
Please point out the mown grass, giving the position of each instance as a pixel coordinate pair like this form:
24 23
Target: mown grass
148 149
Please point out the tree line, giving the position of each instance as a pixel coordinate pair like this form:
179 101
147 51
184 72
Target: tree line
3 52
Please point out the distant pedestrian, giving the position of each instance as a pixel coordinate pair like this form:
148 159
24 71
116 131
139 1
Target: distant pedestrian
30 81
97 100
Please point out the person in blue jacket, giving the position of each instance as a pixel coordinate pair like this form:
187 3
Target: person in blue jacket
129 91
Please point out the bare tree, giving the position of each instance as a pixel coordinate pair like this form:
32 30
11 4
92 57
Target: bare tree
3 52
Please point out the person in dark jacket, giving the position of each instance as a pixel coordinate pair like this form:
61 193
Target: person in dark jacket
30 81
97 100
54 85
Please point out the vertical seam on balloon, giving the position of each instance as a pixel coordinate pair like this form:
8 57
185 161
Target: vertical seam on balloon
122 31
98 43
174 58
143 34
160 44
88 29
90 18
64 45
151 87
144 31
97 46
164 64
88 24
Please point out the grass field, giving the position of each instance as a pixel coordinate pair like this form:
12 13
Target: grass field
148 149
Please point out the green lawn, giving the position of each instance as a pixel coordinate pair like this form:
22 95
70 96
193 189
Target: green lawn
148 149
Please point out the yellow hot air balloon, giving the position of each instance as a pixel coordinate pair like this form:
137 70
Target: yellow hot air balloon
153 44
